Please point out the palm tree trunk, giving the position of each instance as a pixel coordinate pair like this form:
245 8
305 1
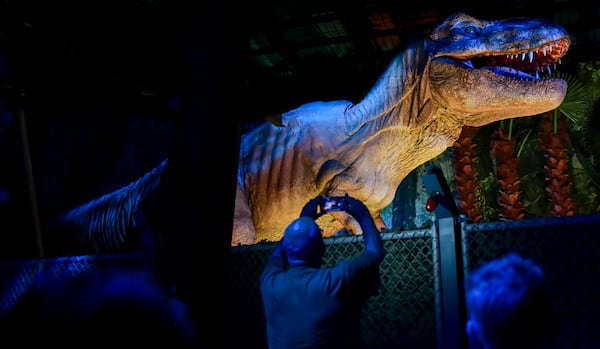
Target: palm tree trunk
503 147
553 138
465 174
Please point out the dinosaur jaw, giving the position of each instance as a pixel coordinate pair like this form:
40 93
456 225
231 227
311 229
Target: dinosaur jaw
489 94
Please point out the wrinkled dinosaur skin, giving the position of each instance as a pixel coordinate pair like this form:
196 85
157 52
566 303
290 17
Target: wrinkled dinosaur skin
468 72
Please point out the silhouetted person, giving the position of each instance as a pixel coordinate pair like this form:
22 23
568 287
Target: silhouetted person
310 306
509 305
102 309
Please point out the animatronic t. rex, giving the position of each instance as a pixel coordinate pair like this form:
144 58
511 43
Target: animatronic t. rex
467 72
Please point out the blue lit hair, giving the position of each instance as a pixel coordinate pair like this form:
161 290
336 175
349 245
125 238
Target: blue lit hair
510 302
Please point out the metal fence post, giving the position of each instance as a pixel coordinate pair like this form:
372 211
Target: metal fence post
451 333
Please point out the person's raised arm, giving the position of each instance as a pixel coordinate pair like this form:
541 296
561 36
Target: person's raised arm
310 208
371 235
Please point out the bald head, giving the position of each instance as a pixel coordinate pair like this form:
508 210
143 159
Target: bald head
303 242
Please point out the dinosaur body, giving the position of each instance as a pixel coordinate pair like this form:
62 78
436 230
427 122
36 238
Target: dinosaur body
415 111
468 72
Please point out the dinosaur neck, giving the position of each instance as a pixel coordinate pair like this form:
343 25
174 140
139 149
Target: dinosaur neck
398 97
400 118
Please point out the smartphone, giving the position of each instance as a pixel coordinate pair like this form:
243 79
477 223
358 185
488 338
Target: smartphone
333 203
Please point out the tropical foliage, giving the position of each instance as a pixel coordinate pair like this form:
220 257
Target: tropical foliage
546 165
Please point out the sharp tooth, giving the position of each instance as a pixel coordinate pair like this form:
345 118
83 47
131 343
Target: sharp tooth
544 50
537 75
550 47
530 56
523 56
548 69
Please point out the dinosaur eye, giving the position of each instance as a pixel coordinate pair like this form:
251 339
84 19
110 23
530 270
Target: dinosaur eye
471 30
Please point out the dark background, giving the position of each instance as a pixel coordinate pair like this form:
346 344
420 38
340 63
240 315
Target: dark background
95 94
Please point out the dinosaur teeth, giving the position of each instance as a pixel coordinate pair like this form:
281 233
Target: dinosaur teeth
534 63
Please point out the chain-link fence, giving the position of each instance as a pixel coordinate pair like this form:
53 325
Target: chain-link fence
566 249
18 277
406 313
401 315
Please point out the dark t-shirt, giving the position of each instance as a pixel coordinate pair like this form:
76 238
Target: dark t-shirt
308 307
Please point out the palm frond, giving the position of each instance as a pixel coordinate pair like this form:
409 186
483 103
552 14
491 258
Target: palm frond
586 163
577 104
108 218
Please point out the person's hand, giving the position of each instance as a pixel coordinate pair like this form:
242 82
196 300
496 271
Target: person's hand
356 208
310 209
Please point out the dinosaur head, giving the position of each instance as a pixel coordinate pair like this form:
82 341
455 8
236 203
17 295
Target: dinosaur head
494 70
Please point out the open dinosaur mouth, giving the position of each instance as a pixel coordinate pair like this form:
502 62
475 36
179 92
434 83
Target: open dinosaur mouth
525 64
